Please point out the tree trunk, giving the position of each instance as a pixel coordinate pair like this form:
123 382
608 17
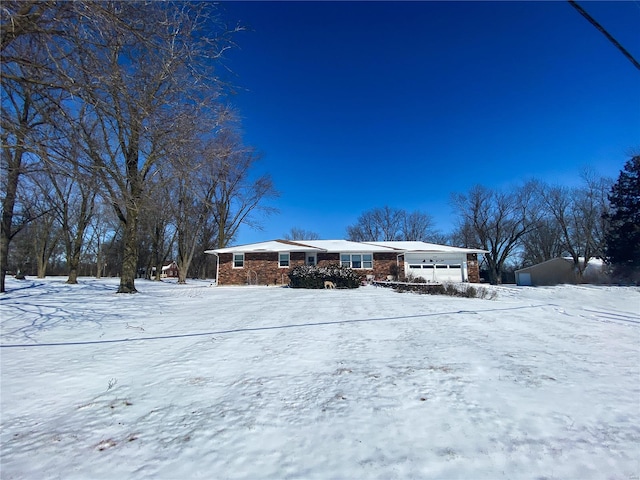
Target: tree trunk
4 258
182 276
158 275
495 278
73 274
8 205
99 261
73 259
43 263
183 261
130 253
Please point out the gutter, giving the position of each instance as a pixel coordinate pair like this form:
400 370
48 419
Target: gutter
217 266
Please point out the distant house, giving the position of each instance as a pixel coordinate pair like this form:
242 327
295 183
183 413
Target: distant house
169 270
558 271
268 263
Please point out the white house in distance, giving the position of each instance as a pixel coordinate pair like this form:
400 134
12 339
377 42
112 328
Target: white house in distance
268 263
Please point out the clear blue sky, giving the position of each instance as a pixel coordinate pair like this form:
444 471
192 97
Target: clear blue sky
357 105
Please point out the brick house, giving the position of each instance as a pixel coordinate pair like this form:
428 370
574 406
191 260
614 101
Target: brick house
169 270
268 263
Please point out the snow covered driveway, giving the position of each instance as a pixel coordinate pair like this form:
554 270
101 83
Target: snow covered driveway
181 382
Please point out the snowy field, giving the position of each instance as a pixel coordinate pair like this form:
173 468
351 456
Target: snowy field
193 381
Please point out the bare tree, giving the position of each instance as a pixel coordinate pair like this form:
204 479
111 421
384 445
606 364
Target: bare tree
392 224
542 243
237 198
301 234
379 224
29 90
418 226
497 221
45 234
37 20
20 121
158 225
136 63
102 230
219 192
580 215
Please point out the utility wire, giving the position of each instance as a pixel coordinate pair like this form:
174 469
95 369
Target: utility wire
605 33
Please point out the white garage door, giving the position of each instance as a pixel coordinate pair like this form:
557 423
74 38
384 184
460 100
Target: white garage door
523 279
436 272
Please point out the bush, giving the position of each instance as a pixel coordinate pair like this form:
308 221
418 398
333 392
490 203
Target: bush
306 276
452 289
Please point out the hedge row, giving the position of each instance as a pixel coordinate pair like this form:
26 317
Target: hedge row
306 276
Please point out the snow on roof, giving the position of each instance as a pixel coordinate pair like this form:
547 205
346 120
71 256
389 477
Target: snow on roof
342 246
593 264
270 246
426 247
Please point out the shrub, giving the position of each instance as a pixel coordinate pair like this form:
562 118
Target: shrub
451 289
306 276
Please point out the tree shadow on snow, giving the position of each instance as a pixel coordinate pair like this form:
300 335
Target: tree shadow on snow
268 328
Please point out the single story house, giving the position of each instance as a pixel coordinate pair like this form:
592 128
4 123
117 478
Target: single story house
558 271
268 263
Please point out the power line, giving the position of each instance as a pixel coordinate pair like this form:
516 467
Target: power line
605 33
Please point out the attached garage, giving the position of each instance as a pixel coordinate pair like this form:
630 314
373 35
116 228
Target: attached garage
437 263
436 268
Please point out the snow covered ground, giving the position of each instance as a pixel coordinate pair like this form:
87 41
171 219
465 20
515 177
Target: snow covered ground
192 381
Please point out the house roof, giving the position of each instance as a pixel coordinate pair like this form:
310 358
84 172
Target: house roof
426 247
343 246
336 246
270 246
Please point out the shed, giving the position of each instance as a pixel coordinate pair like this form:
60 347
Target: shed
558 271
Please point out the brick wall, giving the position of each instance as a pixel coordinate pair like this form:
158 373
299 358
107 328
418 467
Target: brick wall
263 267
385 264
473 269
259 268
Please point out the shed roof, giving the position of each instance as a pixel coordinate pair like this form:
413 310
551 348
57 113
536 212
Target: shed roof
593 263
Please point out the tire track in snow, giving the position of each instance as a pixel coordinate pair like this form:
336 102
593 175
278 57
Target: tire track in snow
608 316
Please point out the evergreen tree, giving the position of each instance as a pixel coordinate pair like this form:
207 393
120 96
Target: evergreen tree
623 238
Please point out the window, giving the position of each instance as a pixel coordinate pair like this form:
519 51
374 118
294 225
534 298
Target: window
238 260
311 259
356 260
283 260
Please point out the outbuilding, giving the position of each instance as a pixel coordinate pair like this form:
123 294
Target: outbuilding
558 271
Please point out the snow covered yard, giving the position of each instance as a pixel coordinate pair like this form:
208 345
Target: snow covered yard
181 382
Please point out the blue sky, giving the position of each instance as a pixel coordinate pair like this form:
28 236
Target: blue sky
357 105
